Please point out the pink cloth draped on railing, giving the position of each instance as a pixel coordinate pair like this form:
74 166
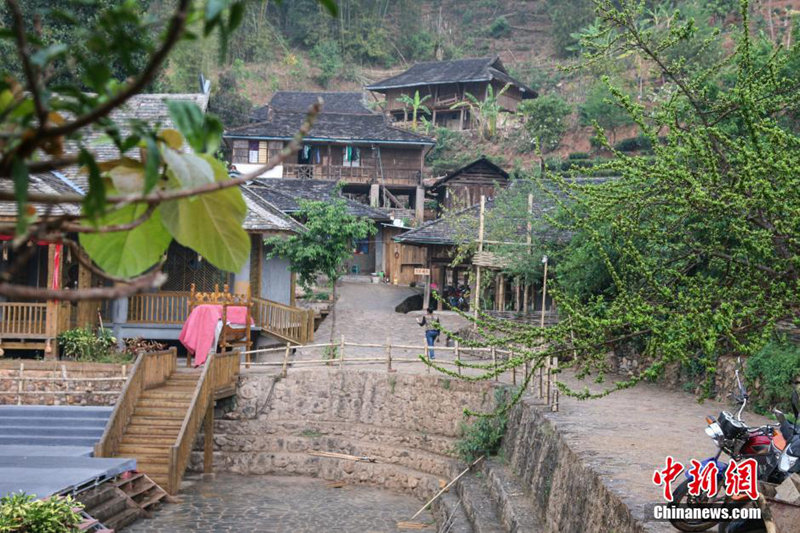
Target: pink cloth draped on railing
199 330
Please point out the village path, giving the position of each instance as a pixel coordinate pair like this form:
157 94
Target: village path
623 437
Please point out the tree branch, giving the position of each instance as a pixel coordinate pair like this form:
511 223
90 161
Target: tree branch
27 67
152 280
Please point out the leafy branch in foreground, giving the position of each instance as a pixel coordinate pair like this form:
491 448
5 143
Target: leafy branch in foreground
57 100
697 246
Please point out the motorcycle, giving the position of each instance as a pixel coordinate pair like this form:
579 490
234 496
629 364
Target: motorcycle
739 442
788 464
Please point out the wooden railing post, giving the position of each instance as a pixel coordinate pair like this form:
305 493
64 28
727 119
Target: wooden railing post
208 440
341 352
458 358
389 355
285 368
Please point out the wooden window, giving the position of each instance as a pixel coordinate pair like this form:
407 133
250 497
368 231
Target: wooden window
275 148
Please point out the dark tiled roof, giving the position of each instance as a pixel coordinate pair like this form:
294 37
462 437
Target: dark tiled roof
264 216
483 161
364 128
454 71
285 193
46 183
333 102
151 108
451 229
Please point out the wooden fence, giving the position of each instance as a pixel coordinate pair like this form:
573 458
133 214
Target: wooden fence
23 320
70 386
292 324
462 362
164 307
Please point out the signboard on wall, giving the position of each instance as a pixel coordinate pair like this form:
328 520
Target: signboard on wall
422 271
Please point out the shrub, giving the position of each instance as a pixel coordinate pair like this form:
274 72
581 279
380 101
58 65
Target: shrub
545 119
500 27
640 142
578 155
770 375
484 436
20 513
83 344
328 58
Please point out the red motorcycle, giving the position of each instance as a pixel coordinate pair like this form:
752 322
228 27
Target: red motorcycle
738 441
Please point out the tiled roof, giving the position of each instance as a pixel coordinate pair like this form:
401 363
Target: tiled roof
455 71
483 161
451 229
363 128
45 183
151 108
264 216
285 193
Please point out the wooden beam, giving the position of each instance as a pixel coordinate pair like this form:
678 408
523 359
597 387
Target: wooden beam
208 440
87 310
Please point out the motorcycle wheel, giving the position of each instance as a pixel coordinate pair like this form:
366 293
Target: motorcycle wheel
681 496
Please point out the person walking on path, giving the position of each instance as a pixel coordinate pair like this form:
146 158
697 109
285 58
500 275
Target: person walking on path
432 329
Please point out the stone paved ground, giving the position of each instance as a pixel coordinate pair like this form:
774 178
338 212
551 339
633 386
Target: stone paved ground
276 504
624 436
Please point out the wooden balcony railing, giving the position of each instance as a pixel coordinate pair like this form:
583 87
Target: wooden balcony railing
164 307
362 174
291 324
23 320
150 369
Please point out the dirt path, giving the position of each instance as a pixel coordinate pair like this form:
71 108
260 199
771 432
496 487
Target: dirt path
624 436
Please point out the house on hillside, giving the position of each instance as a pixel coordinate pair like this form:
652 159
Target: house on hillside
284 194
350 144
447 83
464 186
32 325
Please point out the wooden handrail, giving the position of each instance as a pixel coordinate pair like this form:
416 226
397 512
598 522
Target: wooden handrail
192 422
292 324
163 307
23 319
149 370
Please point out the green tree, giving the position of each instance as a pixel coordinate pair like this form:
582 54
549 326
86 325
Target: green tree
228 102
485 111
327 242
602 108
700 240
568 18
328 58
416 104
545 120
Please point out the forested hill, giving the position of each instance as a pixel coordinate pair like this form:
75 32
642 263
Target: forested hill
298 45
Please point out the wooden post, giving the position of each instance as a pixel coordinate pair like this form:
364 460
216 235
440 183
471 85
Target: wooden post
458 358
494 362
481 216
541 326
54 264
19 383
389 354
87 310
208 440
285 368
555 391
293 290
341 352
66 383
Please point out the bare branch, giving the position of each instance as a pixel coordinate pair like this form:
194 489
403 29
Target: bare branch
152 280
30 72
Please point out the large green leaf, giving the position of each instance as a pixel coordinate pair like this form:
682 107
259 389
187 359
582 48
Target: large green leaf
211 224
127 253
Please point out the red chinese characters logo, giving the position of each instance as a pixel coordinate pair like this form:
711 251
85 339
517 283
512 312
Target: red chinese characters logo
703 478
742 478
665 477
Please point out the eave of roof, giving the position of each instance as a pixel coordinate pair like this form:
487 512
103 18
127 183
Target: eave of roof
431 142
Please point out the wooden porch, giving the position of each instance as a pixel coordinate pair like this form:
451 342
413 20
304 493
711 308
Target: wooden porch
359 174
169 309
32 325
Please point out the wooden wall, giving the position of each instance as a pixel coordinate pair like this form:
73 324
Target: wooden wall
402 259
466 188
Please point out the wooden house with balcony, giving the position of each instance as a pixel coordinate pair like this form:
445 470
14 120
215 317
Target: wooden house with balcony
464 186
349 143
446 83
34 325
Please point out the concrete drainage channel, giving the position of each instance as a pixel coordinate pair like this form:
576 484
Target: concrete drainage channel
408 425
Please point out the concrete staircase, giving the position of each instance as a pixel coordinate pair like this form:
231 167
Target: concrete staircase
156 423
52 426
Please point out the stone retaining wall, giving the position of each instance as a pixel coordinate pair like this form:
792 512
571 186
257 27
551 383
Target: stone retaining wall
47 379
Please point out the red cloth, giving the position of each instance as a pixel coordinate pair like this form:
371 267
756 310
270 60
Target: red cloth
200 328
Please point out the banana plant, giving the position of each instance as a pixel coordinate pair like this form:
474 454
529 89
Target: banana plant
485 111
416 105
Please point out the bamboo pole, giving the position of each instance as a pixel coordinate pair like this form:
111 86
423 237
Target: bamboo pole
444 489
541 326
341 352
389 355
494 363
458 357
481 217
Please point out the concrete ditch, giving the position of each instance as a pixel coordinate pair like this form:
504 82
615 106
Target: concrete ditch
408 424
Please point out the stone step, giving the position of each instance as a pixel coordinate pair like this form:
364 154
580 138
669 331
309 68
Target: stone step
60 412
513 502
34 421
47 441
477 500
56 429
